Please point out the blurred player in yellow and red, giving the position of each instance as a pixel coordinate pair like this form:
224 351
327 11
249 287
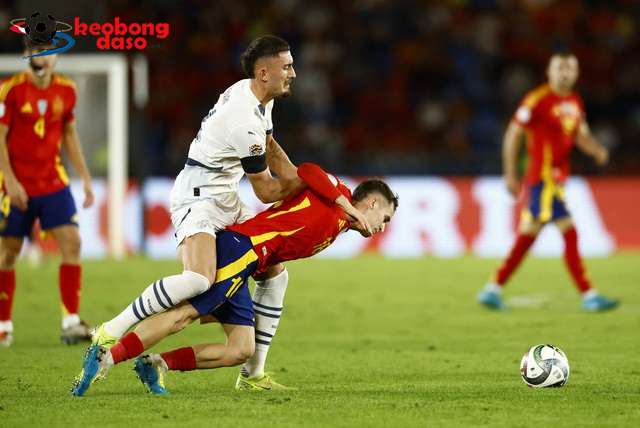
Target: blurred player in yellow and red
36 120
553 120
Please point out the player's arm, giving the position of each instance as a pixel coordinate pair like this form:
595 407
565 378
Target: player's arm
326 186
511 144
588 144
71 144
266 187
16 192
278 161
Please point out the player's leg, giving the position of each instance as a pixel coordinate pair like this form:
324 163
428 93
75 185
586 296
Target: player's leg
531 221
198 253
227 302
239 346
10 247
591 299
268 303
58 218
16 225
70 284
99 359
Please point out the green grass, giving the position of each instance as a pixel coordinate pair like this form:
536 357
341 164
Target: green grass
368 342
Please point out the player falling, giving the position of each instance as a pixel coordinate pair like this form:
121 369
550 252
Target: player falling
36 120
553 119
298 227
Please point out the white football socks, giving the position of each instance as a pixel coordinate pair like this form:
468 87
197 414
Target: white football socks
493 287
158 297
70 320
6 326
268 300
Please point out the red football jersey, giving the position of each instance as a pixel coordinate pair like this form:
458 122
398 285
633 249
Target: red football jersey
551 122
36 119
295 228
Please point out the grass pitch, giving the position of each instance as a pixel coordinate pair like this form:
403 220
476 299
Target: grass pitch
368 342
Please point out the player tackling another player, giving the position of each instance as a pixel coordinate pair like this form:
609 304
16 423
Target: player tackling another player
36 120
553 119
297 227
235 138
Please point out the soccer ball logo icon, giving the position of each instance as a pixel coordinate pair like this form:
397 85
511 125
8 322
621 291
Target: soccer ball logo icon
40 28
43 31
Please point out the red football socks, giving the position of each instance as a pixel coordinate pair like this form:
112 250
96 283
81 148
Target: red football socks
127 348
574 261
520 248
69 281
183 359
7 290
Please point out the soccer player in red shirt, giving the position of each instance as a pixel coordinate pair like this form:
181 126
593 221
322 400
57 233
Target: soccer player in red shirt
553 119
298 227
36 120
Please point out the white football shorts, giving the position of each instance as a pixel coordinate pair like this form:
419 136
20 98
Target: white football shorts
197 211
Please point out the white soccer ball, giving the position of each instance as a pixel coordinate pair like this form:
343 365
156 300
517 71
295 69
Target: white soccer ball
544 366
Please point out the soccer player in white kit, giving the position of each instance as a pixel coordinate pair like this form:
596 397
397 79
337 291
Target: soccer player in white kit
235 138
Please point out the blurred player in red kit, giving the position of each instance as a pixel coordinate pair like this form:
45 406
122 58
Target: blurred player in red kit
552 118
36 120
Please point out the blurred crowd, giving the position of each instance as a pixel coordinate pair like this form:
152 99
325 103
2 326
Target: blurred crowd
390 87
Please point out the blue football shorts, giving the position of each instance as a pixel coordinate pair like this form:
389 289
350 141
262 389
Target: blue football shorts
229 300
53 210
546 202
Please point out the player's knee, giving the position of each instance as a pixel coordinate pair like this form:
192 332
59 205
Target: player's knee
9 253
530 228
206 272
241 353
197 282
70 248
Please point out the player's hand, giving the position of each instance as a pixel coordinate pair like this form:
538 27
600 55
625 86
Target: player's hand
513 186
361 222
88 196
17 194
602 156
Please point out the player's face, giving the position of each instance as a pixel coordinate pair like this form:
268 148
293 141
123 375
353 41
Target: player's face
41 65
563 72
280 74
378 212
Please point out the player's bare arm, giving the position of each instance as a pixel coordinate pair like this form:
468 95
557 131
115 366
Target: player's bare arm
71 144
270 189
278 161
15 190
587 143
510 150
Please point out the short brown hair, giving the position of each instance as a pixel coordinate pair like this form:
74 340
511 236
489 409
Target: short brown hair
375 186
263 46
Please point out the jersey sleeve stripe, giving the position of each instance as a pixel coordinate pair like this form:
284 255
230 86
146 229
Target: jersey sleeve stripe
535 96
64 81
9 84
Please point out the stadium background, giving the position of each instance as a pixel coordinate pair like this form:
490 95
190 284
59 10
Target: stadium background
416 91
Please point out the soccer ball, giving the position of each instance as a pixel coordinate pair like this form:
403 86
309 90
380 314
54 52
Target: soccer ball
544 366
40 28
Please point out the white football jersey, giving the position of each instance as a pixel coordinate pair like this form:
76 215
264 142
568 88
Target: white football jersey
235 128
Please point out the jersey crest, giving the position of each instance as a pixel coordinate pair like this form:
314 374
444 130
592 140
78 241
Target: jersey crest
26 108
